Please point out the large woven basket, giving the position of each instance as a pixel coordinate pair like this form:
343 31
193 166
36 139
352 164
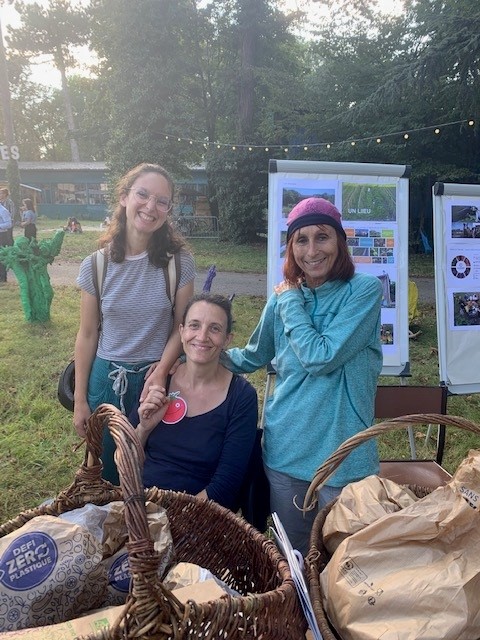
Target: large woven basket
203 533
318 556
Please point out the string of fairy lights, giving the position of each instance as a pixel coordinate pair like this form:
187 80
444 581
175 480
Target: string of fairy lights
306 146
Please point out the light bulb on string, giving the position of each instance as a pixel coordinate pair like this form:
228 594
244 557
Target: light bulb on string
437 130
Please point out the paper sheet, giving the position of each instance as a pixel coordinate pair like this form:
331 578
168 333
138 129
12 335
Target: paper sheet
295 561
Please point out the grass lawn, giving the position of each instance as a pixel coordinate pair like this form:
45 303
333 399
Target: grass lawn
420 265
227 256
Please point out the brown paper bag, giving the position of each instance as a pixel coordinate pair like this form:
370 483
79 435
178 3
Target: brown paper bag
413 574
361 503
118 566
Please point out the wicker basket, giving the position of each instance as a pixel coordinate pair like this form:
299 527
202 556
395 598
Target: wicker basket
318 556
203 533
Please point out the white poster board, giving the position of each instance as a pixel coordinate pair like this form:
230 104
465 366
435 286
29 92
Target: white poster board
373 199
456 224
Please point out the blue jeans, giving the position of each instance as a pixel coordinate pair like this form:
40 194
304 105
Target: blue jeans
118 383
283 490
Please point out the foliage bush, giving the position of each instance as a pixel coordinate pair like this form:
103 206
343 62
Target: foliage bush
239 183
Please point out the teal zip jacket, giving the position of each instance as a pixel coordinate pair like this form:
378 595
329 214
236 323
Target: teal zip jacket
328 356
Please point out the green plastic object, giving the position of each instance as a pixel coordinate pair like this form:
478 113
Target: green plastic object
29 259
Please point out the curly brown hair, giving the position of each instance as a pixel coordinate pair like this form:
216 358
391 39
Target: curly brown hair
343 268
166 240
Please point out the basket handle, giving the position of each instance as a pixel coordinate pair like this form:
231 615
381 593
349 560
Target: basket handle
88 484
331 464
150 605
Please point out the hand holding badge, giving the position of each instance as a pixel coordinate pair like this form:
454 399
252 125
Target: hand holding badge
177 408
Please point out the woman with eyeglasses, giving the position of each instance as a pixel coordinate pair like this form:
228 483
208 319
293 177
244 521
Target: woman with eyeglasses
134 326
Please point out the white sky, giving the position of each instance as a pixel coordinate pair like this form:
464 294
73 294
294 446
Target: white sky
386 6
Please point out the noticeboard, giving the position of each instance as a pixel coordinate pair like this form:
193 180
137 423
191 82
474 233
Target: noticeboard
456 223
373 200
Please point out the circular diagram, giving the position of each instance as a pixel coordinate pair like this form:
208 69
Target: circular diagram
461 266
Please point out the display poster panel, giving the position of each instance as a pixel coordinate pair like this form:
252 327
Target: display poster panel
456 217
373 200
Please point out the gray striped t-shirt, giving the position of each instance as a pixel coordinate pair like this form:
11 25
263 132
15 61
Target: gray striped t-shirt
136 312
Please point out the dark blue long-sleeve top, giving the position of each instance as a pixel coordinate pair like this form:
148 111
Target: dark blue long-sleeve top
210 451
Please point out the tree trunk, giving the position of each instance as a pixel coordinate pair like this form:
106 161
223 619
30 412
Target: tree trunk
247 16
68 107
12 172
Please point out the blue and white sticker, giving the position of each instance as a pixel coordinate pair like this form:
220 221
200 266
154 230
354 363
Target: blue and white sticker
28 561
119 576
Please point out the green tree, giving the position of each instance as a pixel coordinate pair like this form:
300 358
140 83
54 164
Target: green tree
52 31
381 75
146 66
40 124
207 71
12 172
262 75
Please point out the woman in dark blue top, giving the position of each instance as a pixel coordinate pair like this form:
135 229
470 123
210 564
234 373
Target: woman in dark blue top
199 433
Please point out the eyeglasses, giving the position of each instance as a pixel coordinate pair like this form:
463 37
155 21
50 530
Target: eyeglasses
142 197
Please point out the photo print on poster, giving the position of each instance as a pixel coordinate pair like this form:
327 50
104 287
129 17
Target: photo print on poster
387 334
466 309
372 202
292 196
371 244
465 222
388 290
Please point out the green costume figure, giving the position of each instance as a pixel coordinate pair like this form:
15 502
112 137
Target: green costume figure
28 259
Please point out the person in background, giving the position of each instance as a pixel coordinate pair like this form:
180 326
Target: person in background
201 439
29 219
6 238
321 327
8 203
73 226
139 326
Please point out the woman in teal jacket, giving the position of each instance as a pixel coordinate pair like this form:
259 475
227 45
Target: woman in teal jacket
322 328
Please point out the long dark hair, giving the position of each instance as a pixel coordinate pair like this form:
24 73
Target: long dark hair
166 240
343 268
28 203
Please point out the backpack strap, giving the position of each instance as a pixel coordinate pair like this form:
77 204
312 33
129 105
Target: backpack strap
172 277
99 269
